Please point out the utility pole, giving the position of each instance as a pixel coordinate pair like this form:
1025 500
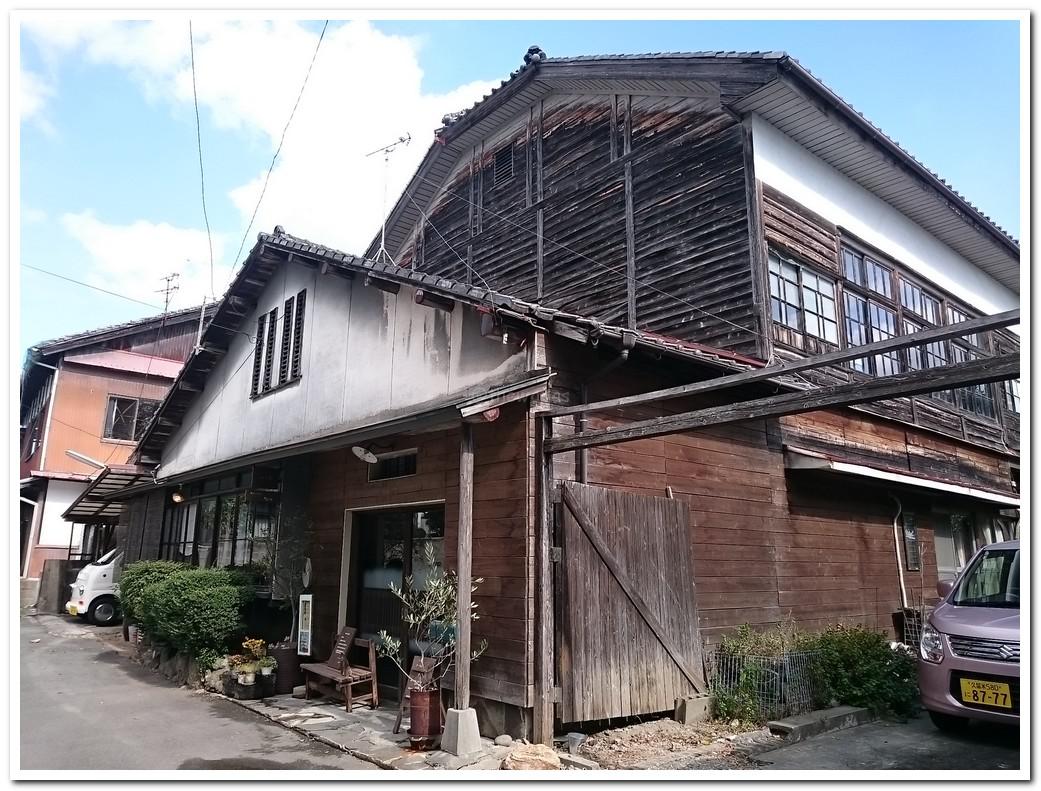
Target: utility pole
168 290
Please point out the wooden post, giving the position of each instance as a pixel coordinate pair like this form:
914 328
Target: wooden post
544 652
464 565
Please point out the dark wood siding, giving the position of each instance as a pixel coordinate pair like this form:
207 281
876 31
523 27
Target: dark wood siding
771 543
628 209
502 538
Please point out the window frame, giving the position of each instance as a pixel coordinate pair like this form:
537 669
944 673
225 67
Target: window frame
282 329
389 456
801 288
136 427
508 148
980 343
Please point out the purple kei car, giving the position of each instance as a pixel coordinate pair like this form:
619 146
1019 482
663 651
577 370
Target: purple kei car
970 644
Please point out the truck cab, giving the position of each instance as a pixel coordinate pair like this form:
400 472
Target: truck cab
93 594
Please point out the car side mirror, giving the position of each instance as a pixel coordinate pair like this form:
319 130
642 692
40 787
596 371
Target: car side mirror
943 587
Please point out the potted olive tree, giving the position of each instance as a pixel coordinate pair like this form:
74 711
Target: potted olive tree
429 614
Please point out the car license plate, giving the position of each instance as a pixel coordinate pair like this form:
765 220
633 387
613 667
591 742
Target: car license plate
987 693
72 610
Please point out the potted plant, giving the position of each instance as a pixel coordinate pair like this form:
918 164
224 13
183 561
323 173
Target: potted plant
267 665
429 613
247 673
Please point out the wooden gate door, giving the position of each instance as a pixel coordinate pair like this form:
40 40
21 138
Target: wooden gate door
627 621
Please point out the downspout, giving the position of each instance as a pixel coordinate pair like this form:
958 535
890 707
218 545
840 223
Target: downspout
896 546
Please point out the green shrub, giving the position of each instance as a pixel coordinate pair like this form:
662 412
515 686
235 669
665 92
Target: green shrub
860 669
196 610
138 576
852 665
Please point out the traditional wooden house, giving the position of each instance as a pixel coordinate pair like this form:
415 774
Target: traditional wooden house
594 230
85 400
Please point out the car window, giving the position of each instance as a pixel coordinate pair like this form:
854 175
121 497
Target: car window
106 558
992 581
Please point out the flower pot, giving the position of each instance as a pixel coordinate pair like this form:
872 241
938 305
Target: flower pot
289 674
424 716
266 671
247 679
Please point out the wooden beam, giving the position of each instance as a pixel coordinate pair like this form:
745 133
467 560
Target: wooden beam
1006 319
383 285
626 584
464 566
988 369
433 301
544 653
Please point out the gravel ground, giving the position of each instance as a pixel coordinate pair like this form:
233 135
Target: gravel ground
666 744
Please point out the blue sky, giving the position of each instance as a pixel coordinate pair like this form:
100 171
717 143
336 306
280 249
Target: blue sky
109 169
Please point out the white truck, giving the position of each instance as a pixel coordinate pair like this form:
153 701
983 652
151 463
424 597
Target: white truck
94 591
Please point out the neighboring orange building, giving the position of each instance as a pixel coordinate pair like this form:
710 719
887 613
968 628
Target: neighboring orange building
85 399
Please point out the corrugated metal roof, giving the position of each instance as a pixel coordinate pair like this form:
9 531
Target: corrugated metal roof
120 360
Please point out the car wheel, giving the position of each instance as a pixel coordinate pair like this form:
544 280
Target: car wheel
103 612
948 722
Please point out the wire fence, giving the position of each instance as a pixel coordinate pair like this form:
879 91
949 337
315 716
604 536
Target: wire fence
758 688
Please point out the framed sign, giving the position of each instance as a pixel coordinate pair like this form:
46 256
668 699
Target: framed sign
303 631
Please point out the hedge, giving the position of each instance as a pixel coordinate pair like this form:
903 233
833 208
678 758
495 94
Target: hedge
138 576
196 611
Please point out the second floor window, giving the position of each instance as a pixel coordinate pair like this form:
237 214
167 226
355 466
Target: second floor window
803 300
1011 390
278 354
126 418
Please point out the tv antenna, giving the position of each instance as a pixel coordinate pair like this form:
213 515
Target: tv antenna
387 150
168 290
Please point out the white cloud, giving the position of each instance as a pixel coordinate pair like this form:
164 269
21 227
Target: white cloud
365 91
132 259
35 91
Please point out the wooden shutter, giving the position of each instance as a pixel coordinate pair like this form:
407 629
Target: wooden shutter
258 357
287 341
269 348
298 333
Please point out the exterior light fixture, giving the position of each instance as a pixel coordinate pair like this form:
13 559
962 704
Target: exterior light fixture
177 496
364 454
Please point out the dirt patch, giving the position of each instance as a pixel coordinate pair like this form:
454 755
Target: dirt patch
658 743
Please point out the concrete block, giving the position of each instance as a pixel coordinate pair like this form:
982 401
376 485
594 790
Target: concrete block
577 762
802 726
461 736
693 709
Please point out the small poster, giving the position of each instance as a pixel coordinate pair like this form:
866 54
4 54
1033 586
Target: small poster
303 632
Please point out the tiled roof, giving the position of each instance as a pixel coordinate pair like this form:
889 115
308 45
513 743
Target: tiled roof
127 326
494 300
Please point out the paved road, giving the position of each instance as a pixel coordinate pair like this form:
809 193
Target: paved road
916 744
85 706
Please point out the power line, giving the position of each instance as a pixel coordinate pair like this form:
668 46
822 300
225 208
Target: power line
449 244
585 257
278 150
198 141
88 285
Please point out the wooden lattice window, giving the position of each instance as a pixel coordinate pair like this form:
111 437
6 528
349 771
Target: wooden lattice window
258 356
912 550
503 167
288 329
298 334
269 348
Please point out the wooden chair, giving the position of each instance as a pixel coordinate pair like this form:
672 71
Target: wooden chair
344 676
422 670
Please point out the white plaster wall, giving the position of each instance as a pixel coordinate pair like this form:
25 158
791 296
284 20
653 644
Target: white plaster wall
55 531
785 165
366 352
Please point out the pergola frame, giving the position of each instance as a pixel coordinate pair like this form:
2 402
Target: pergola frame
980 371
